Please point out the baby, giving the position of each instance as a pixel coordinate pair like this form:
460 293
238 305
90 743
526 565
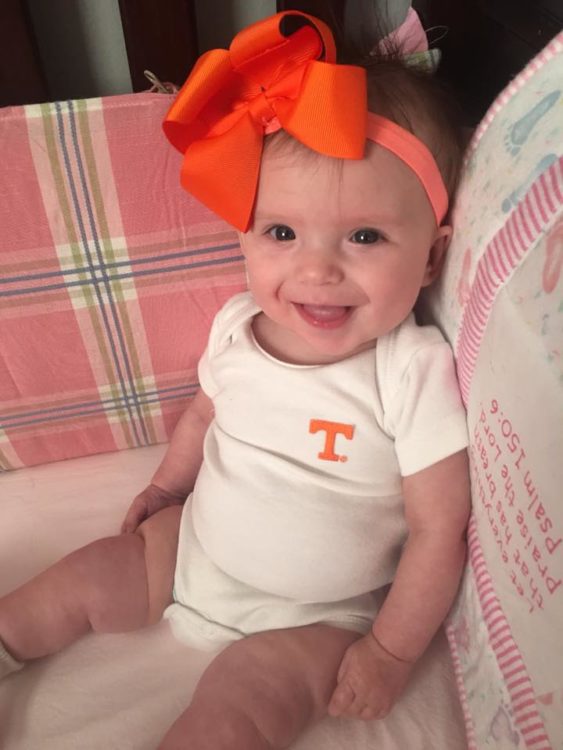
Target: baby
323 459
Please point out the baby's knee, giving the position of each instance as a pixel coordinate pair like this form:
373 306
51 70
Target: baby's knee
215 726
254 699
163 526
111 579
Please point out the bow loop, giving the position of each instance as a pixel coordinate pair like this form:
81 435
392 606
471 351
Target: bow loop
279 72
266 62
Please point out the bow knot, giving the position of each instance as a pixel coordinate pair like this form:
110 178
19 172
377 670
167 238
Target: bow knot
279 72
260 109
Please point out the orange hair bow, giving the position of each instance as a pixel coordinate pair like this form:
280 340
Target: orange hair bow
278 72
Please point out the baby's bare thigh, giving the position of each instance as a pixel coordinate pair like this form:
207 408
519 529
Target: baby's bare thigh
282 679
160 535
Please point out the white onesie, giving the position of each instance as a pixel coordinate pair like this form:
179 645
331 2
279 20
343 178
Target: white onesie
297 513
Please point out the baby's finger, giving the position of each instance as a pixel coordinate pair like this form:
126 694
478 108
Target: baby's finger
127 527
134 516
341 699
357 707
368 712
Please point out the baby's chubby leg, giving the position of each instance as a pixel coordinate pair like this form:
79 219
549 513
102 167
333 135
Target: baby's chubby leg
112 585
263 691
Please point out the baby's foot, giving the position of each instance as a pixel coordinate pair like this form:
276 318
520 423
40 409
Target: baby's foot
501 727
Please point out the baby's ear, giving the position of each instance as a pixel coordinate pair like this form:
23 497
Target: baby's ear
437 254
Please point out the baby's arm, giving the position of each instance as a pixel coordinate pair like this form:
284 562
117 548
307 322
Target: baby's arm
376 668
175 477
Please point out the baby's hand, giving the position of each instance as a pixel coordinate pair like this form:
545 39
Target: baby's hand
146 504
370 680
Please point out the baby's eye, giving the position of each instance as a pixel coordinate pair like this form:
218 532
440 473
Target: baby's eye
281 233
366 236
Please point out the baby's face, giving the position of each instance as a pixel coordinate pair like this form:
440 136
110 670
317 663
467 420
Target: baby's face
338 252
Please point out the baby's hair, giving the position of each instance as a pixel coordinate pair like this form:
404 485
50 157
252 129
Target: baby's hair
420 103
402 91
413 98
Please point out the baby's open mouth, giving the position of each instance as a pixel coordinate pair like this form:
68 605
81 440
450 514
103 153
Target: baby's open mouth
324 316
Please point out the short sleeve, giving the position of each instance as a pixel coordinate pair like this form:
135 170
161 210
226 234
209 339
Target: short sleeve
230 317
425 415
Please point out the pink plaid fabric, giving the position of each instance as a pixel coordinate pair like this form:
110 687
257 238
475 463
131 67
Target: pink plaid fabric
110 277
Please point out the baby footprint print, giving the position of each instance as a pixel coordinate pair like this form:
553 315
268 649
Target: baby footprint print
501 727
521 129
515 197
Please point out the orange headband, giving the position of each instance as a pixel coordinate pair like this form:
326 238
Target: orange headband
416 155
278 73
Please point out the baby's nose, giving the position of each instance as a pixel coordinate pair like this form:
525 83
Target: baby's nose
319 266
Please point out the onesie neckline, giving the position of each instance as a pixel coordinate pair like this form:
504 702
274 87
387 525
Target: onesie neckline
293 365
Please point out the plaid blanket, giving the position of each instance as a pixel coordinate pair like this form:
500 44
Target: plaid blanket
110 275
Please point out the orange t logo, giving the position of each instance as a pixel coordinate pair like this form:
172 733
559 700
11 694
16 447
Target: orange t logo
332 429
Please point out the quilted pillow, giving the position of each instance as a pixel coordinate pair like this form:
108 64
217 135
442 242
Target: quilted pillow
500 304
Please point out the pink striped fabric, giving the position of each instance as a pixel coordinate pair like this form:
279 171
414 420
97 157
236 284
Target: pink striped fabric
513 669
502 256
458 671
